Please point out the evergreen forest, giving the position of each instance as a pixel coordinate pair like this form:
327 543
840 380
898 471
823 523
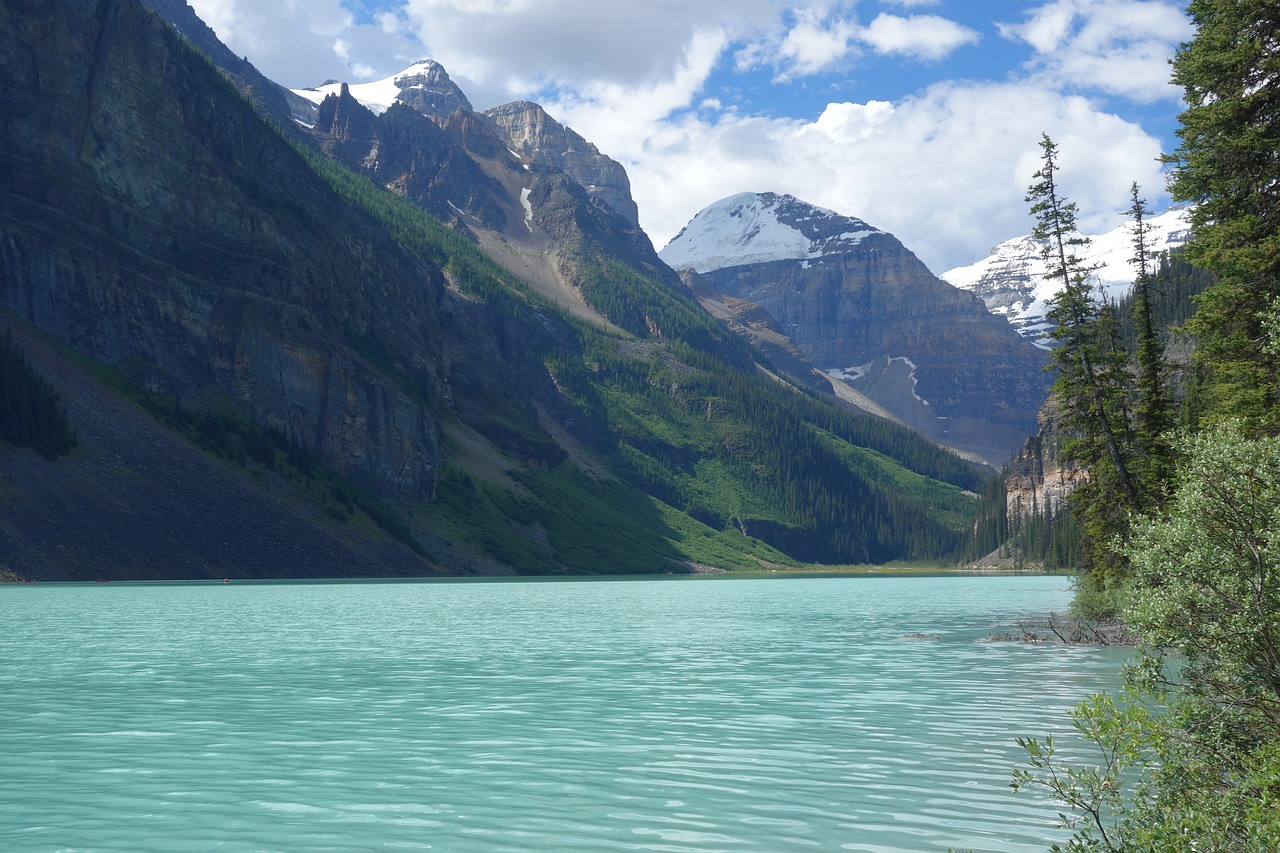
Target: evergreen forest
1170 402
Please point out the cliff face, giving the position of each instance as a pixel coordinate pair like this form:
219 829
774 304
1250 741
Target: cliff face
148 220
1039 479
426 88
410 154
528 129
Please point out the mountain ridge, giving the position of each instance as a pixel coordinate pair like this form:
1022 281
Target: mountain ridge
250 288
1010 280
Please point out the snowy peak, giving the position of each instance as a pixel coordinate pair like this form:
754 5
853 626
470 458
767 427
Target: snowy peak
750 228
424 86
1011 279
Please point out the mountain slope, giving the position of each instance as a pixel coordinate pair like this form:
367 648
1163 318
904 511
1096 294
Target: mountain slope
273 309
868 314
1010 280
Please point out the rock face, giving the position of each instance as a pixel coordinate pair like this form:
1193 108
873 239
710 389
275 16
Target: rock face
530 131
147 220
1039 479
410 154
1010 281
864 310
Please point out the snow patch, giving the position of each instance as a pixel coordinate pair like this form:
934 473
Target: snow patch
528 208
377 96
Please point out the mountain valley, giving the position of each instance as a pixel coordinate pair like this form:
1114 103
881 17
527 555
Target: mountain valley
443 333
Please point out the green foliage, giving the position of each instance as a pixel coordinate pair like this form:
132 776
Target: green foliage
1226 163
690 419
1094 384
1203 737
1172 289
1097 795
1153 416
30 413
1207 574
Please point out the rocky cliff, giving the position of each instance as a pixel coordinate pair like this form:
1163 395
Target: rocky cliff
1039 480
864 310
530 131
148 220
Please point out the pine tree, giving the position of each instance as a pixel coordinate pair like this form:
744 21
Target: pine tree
1152 416
1227 164
1089 375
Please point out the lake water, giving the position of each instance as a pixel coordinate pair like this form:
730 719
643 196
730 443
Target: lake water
649 714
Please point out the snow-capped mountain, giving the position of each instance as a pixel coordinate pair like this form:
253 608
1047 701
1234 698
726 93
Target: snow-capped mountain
750 228
425 86
1011 279
863 310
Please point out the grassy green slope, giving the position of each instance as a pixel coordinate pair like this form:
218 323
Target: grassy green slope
707 459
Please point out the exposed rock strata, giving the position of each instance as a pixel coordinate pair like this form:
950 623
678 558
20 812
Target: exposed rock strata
863 308
1039 479
146 220
531 132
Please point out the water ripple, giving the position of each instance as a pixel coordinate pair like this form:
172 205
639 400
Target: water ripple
630 715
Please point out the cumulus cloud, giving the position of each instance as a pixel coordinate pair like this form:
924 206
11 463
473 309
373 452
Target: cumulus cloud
946 171
303 44
1117 46
927 37
814 45
656 85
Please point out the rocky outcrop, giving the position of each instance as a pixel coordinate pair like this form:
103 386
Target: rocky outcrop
409 154
425 87
1039 479
149 219
528 129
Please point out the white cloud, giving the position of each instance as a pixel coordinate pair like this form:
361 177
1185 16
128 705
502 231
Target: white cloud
499 50
926 37
814 44
1117 46
300 43
652 85
945 171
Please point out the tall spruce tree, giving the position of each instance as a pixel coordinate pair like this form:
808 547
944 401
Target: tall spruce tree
1091 384
1152 412
1227 163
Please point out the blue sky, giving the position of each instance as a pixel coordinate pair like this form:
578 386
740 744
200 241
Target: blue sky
922 117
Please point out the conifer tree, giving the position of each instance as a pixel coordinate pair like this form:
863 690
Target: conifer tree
1152 418
1089 377
1227 164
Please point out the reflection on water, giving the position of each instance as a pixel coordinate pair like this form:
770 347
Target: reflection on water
690 715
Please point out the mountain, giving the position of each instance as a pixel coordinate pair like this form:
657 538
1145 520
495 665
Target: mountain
360 342
865 312
1010 280
529 133
425 87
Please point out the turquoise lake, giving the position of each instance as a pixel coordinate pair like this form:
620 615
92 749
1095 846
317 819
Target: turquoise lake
666 714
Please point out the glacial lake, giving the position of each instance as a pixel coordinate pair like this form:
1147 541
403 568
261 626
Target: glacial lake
656 714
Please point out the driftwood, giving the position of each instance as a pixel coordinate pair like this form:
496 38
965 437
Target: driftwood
1068 630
